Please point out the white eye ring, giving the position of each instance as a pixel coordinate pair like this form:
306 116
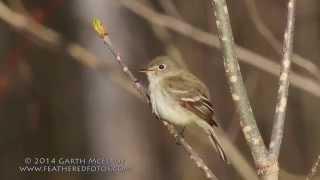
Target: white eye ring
162 66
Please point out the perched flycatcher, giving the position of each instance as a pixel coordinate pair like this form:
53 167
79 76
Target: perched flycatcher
180 98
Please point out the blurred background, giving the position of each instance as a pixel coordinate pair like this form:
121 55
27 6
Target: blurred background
63 95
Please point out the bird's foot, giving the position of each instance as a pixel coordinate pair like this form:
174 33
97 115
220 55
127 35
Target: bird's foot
180 134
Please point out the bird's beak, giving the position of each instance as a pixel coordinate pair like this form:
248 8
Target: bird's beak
145 70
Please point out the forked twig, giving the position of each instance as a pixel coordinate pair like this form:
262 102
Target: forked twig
266 161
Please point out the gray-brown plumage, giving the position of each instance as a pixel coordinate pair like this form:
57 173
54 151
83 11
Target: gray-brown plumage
181 98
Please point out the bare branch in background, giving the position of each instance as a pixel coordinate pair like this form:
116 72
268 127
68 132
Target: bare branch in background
46 36
192 154
314 169
170 8
238 90
52 40
302 82
282 99
275 43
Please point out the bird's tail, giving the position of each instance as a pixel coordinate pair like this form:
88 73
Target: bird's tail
214 139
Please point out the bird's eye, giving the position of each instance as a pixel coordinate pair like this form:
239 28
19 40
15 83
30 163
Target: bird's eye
162 66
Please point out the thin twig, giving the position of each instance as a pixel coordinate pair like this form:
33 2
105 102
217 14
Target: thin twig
275 43
280 111
314 169
302 82
193 155
239 94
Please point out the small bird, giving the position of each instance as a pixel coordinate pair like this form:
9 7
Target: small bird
180 98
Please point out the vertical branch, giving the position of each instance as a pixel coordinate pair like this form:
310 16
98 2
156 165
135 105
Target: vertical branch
98 26
280 111
239 94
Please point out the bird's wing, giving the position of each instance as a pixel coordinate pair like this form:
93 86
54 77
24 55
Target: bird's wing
192 95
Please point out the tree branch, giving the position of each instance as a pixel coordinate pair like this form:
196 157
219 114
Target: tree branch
98 26
239 94
280 111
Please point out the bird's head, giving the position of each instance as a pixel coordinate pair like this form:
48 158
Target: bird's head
159 67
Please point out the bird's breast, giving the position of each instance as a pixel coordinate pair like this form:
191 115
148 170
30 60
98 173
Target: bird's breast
167 108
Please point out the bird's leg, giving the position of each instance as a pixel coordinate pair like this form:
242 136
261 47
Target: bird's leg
181 131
